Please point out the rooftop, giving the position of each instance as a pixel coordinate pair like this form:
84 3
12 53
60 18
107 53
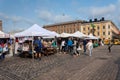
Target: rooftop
63 23
79 21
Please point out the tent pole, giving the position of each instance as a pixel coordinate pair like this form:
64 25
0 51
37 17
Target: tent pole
32 49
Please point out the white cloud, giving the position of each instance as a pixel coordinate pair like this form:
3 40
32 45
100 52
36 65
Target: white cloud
98 11
15 18
110 12
61 18
74 3
4 16
50 17
15 22
45 15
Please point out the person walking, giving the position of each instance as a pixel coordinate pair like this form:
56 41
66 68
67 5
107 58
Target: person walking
63 46
59 41
75 47
79 49
84 45
38 48
109 47
54 44
90 47
70 46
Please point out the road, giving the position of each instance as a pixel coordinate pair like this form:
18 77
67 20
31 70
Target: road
100 66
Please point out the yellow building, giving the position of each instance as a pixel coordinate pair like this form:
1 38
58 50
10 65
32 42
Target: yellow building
67 27
105 29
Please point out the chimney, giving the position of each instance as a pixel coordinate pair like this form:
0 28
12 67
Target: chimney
102 19
90 20
95 20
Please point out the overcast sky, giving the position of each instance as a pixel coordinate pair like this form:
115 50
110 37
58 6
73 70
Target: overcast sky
21 14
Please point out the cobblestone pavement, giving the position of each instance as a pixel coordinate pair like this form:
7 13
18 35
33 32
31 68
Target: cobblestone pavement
100 66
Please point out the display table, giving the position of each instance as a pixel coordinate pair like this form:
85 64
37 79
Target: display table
49 50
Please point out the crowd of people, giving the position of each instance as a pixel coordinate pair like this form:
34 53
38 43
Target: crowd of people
6 47
37 47
76 47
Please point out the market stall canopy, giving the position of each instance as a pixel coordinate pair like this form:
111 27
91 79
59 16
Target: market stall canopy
64 35
12 36
55 33
92 37
35 30
4 35
78 34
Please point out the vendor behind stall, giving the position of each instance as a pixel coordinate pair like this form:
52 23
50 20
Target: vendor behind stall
38 47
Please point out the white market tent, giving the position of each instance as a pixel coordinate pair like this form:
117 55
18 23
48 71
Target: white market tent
55 33
92 37
4 35
78 34
64 35
35 30
12 36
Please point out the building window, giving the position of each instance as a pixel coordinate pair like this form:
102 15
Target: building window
67 30
62 27
103 33
59 31
83 29
74 30
103 27
98 33
73 24
108 32
88 28
78 29
98 27
64 30
108 26
70 30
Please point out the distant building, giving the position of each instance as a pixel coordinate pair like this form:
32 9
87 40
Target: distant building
0 25
105 29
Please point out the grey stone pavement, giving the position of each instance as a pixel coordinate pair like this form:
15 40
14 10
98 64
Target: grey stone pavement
100 66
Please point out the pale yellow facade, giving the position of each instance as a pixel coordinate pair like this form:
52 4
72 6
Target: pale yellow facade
103 29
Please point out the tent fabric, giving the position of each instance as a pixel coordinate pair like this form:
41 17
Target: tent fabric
4 35
79 34
64 35
92 37
57 35
12 36
35 30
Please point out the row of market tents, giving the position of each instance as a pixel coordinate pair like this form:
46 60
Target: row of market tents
4 35
36 30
